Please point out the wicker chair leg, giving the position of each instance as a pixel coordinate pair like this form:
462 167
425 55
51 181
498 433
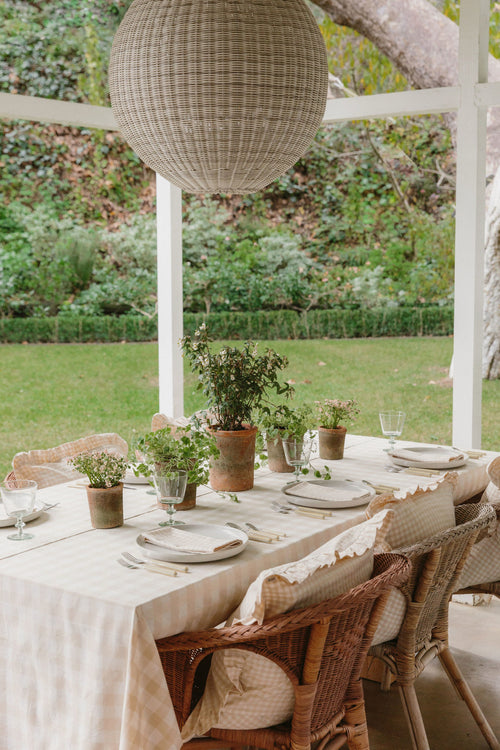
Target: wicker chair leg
457 679
355 716
385 680
413 717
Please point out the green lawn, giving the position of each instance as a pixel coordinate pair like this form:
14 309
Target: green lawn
54 393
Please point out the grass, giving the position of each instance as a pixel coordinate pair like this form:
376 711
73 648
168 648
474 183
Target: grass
54 393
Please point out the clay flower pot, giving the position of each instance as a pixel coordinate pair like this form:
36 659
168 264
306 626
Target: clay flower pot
331 443
106 506
276 456
233 471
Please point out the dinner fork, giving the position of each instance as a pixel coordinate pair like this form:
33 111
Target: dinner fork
147 566
48 506
162 563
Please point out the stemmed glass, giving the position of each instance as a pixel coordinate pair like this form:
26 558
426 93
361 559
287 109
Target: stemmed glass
392 423
18 497
297 453
170 488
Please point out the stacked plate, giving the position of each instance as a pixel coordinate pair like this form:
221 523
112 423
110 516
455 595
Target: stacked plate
226 541
428 457
329 493
6 520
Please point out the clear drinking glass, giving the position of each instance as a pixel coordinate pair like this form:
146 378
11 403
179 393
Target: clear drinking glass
170 488
392 423
297 453
18 496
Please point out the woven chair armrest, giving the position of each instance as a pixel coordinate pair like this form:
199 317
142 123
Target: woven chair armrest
496 508
390 569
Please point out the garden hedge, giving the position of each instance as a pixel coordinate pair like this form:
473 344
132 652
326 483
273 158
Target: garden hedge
281 324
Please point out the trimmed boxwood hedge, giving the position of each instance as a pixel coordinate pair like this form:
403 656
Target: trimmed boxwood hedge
279 324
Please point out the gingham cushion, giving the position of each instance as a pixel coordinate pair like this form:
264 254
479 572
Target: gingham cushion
392 618
417 514
483 562
467 484
248 691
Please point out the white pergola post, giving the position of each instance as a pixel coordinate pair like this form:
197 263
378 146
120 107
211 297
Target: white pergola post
170 327
469 227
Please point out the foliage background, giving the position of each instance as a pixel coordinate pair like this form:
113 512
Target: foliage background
364 219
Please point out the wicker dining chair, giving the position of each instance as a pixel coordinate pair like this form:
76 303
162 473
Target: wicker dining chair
321 648
436 565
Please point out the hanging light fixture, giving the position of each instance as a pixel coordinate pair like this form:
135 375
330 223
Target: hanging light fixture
219 95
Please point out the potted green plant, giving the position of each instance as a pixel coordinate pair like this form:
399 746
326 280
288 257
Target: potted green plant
235 382
105 472
172 448
331 412
282 422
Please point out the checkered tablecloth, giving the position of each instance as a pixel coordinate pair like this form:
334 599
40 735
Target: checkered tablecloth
78 663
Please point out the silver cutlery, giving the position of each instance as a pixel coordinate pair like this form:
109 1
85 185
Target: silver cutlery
147 566
48 506
278 535
255 536
161 563
301 510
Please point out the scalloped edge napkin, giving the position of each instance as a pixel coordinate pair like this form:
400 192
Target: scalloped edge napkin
176 538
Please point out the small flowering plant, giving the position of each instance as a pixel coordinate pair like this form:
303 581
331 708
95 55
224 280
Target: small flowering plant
234 380
331 412
103 469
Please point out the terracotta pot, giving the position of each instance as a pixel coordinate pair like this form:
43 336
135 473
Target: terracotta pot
233 471
331 443
276 456
106 506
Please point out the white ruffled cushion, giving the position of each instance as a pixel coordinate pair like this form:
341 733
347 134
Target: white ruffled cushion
248 691
417 515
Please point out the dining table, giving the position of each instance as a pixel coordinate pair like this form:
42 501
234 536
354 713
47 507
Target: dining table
78 662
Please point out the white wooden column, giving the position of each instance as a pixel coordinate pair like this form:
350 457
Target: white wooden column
170 330
470 221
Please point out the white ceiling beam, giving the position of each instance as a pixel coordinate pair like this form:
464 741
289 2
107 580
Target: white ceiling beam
38 109
394 104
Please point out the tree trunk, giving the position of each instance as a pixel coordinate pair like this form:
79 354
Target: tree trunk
423 44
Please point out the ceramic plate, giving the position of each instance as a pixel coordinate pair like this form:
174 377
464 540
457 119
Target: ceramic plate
130 478
428 457
223 533
358 493
6 520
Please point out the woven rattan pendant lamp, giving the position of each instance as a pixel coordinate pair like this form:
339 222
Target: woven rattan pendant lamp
219 95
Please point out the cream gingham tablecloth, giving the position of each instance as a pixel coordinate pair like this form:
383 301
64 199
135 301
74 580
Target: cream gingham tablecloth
78 663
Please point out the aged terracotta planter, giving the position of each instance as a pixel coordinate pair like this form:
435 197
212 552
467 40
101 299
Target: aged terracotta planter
106 506
276 456
331 443
233 471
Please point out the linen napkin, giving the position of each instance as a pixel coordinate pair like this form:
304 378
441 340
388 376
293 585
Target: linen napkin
182 540
322 492
427 456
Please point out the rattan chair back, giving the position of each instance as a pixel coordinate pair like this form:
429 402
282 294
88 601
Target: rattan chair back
321 648
436 566
488 587
49 467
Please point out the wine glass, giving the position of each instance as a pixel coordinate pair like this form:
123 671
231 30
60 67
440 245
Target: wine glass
18 497
170 488
297 453
392 423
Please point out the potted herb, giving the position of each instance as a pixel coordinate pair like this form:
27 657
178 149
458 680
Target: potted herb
330 413
235 382
282 422
172 448
105 472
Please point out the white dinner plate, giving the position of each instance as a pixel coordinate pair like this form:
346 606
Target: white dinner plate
130 478
6 520
224 533
429 457
358 493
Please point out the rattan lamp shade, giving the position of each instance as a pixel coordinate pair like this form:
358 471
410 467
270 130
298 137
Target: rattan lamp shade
219 95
